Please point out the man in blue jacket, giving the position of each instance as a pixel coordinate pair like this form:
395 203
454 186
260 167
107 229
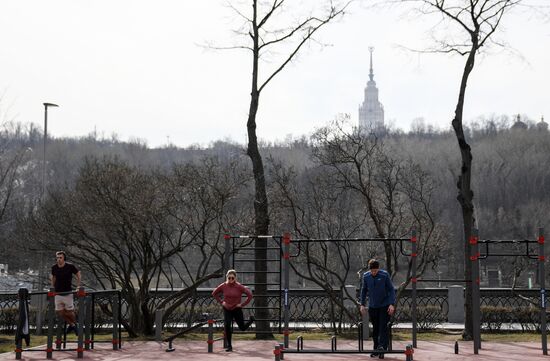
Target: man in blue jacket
378 286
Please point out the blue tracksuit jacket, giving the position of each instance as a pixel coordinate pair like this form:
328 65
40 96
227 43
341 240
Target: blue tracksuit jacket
379 289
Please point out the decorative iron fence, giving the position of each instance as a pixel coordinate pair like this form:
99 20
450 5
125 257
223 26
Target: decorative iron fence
313 308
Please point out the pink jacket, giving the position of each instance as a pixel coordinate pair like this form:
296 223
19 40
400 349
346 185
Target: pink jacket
232 294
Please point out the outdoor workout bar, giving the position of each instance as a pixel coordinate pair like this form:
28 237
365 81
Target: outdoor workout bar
85 323
280 350
475 256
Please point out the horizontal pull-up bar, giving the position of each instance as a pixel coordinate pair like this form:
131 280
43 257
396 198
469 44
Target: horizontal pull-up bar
529 253
228 236
299 242
506 241
442 280
312 240
531 256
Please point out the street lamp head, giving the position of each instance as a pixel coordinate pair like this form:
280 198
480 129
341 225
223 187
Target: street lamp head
50 105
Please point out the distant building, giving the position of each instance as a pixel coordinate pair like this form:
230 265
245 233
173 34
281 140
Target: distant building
542 125
519 125
371 112
3 269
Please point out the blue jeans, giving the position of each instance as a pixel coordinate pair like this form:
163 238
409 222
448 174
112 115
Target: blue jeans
379 318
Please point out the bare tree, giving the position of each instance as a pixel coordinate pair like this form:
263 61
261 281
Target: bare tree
358 187
384 184
140 230
271 31
208 198
14 159
477 22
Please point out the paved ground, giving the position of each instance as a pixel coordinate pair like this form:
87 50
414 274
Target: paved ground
263 350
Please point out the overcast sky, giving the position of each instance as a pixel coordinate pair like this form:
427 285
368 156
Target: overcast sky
137 69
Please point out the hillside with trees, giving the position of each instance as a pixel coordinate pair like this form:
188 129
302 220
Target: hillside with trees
138 218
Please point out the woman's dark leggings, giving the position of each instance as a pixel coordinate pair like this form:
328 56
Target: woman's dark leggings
230 315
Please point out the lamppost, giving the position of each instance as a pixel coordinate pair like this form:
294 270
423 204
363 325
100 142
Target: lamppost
46 105
42 197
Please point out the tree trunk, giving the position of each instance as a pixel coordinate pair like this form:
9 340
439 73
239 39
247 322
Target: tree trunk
261 222
261 214
465 194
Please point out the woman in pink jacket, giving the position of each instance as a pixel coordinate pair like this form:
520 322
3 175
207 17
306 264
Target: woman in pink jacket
232 304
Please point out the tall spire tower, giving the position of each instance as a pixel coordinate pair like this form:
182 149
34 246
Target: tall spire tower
371 112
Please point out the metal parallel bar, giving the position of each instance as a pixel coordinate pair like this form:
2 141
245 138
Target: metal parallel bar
238 332
254 260
413 279
187 330
51 319
474 258
88 301
360 336
542 292
119 296
60 333
92 331
104 341
279 302
387 352
115 309
228 253
390 335
115 291
409 351
22 327
266 319
37 350
73 292
210 341
81 321
299 343
286 287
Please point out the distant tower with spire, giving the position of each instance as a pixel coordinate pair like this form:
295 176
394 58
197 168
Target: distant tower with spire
371 112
